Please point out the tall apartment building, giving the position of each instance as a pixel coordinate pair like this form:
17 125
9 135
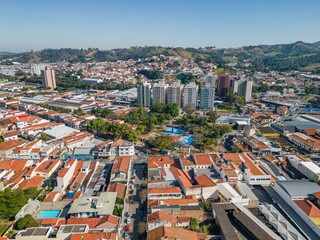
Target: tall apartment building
48 78
211 80
144 94
243 87
223 84
190 96
207 92
36 69
159 93
174 94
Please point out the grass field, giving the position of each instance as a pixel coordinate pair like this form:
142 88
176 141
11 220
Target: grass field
312 67
27 86
226 109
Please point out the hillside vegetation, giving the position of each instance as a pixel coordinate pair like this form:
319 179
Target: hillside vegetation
281 57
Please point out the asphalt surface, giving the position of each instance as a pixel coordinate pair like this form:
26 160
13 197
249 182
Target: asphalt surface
132 200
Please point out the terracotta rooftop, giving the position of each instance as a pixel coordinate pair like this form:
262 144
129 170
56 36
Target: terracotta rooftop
158 161
47 166
94 236
118 188
10 144
205 181
172 233
308 208
202 159
121 164
163 190
162 215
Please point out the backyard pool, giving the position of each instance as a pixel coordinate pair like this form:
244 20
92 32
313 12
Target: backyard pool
69 195
187 140
49 214
173 131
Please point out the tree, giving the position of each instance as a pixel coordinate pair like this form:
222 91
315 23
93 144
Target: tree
11 201
26 222
1 138
131 136
235 149
194 226
78 112
207 206
119 200
235 99
141 128
158 108
173 109
32 192
44 137
162 142
142 228
143 194
186 78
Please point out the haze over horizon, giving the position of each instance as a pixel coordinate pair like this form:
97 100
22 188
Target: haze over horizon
36 25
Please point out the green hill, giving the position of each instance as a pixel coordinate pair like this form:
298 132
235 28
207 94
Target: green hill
281 57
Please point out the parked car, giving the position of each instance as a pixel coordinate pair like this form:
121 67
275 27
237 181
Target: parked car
129 214
128 220
142 201
126 235
131 186
127 228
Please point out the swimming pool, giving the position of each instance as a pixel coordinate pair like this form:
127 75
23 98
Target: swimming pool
173 131
69 195
49 214
187 140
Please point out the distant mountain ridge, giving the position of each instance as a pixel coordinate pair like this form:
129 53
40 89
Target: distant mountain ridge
7 53
282 57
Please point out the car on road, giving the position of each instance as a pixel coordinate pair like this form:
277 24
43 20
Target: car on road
127 228
128 220
129 214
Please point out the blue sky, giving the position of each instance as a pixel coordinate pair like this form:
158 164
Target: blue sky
107 24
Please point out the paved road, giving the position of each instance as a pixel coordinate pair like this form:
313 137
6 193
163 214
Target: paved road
133 203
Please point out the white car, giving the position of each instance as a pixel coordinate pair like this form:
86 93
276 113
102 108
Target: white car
128 220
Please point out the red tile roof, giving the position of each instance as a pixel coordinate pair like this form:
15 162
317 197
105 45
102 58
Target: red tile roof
308 208
33 182
121 164
49 221
163 190
10 144
94 236
159 161
47 166
162 215
205 181
118 188
202 159
172 233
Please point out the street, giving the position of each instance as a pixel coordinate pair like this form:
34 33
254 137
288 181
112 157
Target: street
132 199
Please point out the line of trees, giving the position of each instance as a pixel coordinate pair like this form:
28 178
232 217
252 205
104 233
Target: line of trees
99 125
